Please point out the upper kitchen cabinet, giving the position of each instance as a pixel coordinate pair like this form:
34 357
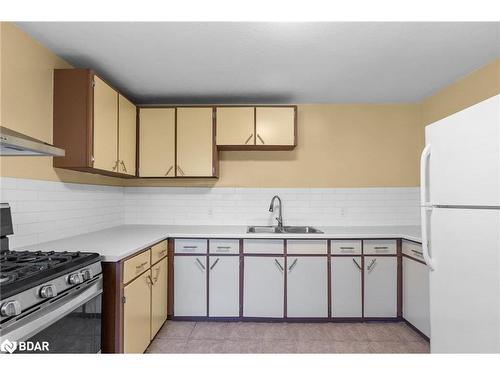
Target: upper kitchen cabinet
93 123
196 152
127 126
275 126
157 142
235 126
256 128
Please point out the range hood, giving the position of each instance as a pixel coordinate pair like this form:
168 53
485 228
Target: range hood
13 143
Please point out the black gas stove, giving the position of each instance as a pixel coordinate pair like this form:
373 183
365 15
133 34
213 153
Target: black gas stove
21 270
49 297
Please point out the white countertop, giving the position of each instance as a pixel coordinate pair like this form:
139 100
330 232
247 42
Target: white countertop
119 242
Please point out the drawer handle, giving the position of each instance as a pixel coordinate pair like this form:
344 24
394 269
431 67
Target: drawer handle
202 266
139 266
380 247
417 252
223 247
248 139
278 264
357 264
293 265
346 247
372 264
189 247
213 265
162 252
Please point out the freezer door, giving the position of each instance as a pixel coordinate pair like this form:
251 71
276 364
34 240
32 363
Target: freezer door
465 284
464 167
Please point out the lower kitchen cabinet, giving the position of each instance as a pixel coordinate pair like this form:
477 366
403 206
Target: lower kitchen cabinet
190 285
307 287
224 286
380 286
137 314
346 288
263 286
159 295
416 295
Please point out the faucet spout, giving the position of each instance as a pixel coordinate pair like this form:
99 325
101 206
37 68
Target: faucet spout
279 219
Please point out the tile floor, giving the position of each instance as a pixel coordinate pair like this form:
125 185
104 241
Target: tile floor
244 337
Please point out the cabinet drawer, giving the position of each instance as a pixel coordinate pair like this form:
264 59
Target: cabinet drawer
224 246
346 246
306 247
413 250
263 246
135 266
379 247
158 251
191 246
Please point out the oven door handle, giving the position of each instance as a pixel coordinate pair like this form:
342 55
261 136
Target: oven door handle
30 325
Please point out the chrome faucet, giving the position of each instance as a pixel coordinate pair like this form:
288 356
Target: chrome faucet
279 219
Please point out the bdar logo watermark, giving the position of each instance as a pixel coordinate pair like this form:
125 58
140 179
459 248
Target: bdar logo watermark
24 346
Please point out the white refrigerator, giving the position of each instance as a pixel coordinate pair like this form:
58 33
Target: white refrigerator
460 204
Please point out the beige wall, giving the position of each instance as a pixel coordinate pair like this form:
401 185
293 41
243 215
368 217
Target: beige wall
354 145
26 105
477 86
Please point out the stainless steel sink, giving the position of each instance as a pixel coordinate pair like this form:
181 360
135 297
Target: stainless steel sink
285 229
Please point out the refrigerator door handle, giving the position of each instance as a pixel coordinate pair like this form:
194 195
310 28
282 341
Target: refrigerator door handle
424 171
425 205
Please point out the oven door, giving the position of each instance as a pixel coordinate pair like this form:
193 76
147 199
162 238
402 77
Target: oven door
71 324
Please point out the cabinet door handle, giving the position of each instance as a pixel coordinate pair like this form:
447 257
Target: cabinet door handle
115 167
169 169
248 139
180 170
123 166
155 279
202 266
149 281
278 264
357 264
293 264
213 265
260 138
372 264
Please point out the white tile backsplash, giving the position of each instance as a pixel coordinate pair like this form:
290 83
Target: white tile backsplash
46 210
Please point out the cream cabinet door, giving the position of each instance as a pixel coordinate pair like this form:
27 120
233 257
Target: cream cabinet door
190 285
126 136
105 126
157 142
346 288
263 286
235 126
224 286
137 314
275 126
195 142
159 294
307 287
380 287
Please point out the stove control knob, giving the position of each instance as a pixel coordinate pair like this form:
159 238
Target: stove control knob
87 274
48 291
75 279
10 308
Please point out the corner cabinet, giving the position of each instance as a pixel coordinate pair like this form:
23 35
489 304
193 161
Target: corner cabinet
135 300
91 120
256 128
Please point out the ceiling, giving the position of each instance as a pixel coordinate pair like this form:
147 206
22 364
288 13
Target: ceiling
333 62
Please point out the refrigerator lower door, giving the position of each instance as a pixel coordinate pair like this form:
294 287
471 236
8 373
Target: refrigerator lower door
465 285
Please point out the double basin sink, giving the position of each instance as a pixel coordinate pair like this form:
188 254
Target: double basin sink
284 229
